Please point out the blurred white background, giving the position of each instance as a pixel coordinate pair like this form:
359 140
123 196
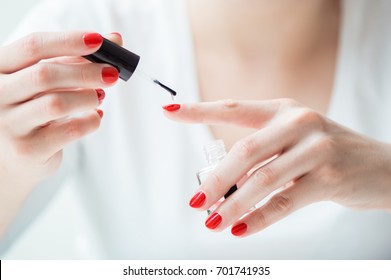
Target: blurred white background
60 231
11 13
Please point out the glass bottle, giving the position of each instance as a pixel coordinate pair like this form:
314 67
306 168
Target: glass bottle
214 152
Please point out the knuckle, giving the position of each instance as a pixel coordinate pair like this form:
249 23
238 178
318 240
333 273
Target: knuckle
264 177
66 40
23 149
41 74
307 117
235 206
245 148
324 145
54 106
281 203
260 220
84 74
287 104
229 103
74 130
32 44
216 181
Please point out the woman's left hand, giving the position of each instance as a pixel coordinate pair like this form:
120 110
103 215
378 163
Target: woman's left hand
316 160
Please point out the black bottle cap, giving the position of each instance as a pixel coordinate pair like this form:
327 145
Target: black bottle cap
125 61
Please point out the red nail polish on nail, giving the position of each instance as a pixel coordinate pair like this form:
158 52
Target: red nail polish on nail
101 94
213 221
100 113
172 107
239 229
109 75
118 34
92 40
198 200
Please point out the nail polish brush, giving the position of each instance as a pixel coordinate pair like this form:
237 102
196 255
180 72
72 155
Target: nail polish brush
124 60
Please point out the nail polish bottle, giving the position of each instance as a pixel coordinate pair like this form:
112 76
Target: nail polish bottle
214 152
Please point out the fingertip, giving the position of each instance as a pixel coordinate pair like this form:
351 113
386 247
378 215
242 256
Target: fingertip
172 107
110 75
100 94
183 113
92 40
100 113
213 221
239 230
115 37
198 200
117 34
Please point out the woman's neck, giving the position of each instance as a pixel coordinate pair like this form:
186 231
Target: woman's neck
289 29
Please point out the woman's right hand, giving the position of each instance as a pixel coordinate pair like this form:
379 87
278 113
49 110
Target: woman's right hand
44 81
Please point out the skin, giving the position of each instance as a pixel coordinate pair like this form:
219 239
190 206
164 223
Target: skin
259 49
317 160
35 103
283 117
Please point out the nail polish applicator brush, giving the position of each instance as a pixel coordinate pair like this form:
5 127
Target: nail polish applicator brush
124 60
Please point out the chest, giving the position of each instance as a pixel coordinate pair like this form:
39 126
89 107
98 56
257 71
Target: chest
219 79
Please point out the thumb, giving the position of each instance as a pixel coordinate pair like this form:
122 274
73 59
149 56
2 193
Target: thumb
115 37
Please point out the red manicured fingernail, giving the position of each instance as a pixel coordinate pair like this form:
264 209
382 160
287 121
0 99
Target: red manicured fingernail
92 40
239 229
118 34
213 221
100 113
172 107
101 94
198 200
109 75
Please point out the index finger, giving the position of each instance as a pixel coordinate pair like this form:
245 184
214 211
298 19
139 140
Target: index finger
245 155
251 114
44 45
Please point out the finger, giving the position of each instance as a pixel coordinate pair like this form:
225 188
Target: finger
25 84
281 205
263 182
52 106
37 46
52 138
114 37
67 60
252 114
243 156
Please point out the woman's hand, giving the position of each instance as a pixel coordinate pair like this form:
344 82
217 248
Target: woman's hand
316 160
43 81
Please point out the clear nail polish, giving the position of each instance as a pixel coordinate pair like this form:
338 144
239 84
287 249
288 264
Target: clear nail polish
214 152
